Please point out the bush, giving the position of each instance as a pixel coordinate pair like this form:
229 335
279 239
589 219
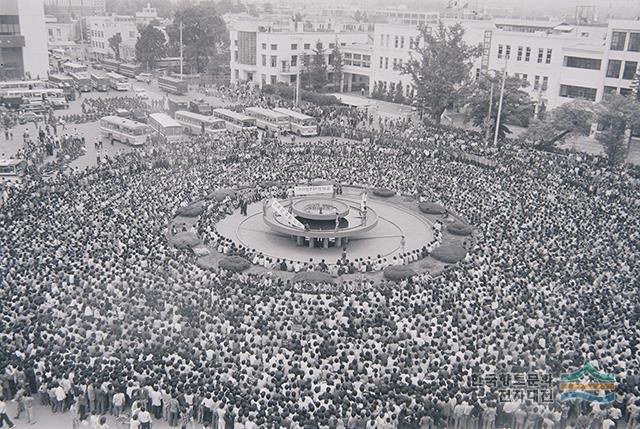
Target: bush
192 210
236 264
221 194
432 208
385 193
398 272
185 240
459 228
314 277
449 254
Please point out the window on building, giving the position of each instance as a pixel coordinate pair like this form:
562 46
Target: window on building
582 63
571 91
536 82
274 47
548 58
274 61
617 40
520 51
264 46
381 62
545 83
634 42
527 54
630 68
610 90
396 43
386 63
307 46
626 91
507 52
332 45
237 73
395 63
500 49
264 60
613 68
235 42
387 37
540 55
382 40
294 46
401 42
294 60
410 42
235 55
273 79
477 72
525 77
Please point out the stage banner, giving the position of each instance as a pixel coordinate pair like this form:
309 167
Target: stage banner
312 190
289 217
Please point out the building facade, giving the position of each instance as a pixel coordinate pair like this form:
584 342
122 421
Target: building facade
102 28
621 56
75 7
23 39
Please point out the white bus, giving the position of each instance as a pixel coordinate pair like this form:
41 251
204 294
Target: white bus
36 99
166 127
20 84
12 167
118 82
301 124
235 121
82 81
73 68
194 123
124 130
268 119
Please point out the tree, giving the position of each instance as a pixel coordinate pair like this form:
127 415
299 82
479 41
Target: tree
336 60
267 8
617 116
151 46
397 96
517 107
441 68
204 35
359 16
114 44
318 70
573 118
635 85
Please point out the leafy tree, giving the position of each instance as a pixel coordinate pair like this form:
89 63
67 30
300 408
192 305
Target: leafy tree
305 71
617 115
151 46
204 34
517 107
360 16
337 61
397 96
573 118
441 68
318 70
114 44
635 85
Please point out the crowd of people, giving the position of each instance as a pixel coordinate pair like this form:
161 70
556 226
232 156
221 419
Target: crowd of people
100 315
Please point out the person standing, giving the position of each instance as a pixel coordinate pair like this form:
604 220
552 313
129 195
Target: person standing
4 418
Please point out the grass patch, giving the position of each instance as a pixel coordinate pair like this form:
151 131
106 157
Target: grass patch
236 264
449 254
459 228
398 272
429 207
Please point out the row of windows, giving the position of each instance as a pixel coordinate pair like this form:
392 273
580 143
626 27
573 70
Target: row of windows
536 80
622 91
393 86
357 60
97 44
386 40
294 46
96 33
582 63
619 41
614 67
396 64
524 53
571 91
9 24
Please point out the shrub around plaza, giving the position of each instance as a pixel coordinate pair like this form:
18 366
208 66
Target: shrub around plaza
432 208
236 264
459 228
449 254
385 193
185 240
192 210
221 194
314 277
398 272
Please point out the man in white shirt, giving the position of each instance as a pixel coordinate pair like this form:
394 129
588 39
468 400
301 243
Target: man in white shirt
4 418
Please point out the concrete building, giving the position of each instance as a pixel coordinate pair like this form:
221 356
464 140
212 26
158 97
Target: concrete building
265 53
61 32
75 7
147 15
621 56
23 39
102 28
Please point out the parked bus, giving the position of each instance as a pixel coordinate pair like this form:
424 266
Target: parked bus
196 124
81 81
65 83
235 121
38 99
118 82
99 82
201 107
173 85
177 103
268 119
73 68
300 124
21 84
166 127
129 70
12 167
124 130
110 65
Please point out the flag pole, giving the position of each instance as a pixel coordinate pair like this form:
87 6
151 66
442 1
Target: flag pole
504 78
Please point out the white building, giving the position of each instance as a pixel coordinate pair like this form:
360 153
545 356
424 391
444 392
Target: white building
23 39
147 15
75 7
61 32
263 53
621 56
102 28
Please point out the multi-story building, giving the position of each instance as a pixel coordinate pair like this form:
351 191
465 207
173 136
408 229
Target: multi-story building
406 17
60 32
146 15
75 7
23 39
102 28
262 53
621 56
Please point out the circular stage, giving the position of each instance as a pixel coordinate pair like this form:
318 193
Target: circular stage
381 234
319 208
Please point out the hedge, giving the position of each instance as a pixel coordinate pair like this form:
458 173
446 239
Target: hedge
288 92
314 277
185 240
192 210
221 194
459 228
398 272
386 193
432 208
236 264
449 254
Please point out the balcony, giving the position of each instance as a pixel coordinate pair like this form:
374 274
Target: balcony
12 41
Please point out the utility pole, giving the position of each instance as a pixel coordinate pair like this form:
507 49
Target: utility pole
298 87
504 78
181 77
488 121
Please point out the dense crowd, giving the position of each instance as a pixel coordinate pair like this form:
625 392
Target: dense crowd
101 315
